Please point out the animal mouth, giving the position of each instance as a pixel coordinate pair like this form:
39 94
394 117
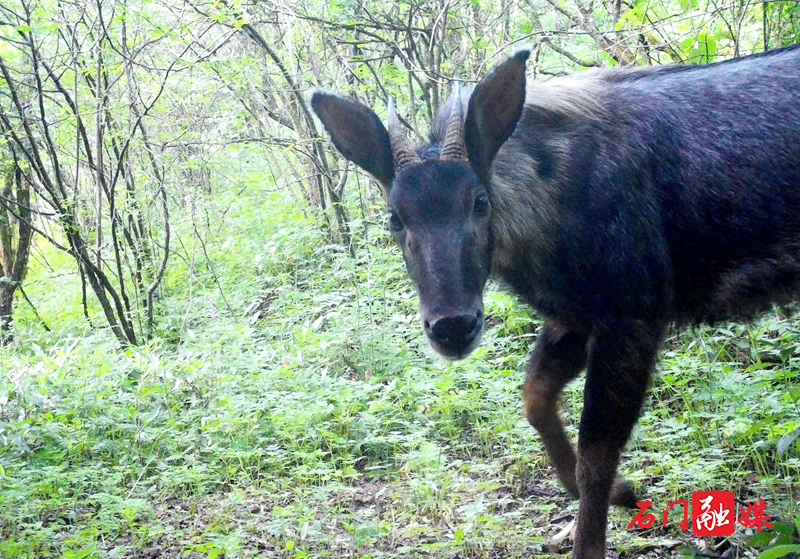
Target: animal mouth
458 343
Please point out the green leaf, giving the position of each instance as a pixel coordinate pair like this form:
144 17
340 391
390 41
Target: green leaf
780 551
35 399
760 539
634 16
786 441
783 528
700 49
81 553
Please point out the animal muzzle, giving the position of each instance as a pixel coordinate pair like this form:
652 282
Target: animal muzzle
454 336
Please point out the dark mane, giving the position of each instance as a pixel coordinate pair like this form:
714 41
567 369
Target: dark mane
573 94
623 74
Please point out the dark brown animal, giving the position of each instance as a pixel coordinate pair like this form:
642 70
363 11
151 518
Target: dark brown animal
615 202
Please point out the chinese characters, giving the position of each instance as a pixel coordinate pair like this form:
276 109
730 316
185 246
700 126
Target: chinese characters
714 514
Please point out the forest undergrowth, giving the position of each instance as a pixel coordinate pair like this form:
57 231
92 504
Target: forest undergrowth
287 406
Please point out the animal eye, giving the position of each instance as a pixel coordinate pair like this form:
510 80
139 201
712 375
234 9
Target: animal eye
395 223
481 204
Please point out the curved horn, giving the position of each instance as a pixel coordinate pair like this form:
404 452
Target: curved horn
454 147
402 150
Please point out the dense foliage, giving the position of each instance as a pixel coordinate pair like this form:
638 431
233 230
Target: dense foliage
215 349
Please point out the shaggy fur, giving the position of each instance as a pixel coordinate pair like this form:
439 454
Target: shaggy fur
652 164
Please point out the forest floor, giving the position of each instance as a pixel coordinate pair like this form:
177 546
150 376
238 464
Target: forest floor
286 406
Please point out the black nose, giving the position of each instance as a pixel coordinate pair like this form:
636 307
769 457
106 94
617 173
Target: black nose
454 328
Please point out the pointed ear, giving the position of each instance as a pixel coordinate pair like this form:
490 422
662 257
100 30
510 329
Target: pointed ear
358 134
494 109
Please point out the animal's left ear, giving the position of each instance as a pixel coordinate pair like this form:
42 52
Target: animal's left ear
494 109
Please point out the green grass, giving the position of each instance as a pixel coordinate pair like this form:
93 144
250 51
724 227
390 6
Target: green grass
288 407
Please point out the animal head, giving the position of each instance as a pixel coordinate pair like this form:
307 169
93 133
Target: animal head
438 196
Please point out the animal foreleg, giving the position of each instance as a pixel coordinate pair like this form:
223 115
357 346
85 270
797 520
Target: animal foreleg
557 358
617 378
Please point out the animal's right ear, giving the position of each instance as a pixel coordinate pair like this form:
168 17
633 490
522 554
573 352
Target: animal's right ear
358 134
495 106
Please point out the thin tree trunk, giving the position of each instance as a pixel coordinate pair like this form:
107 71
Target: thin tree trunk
14 224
